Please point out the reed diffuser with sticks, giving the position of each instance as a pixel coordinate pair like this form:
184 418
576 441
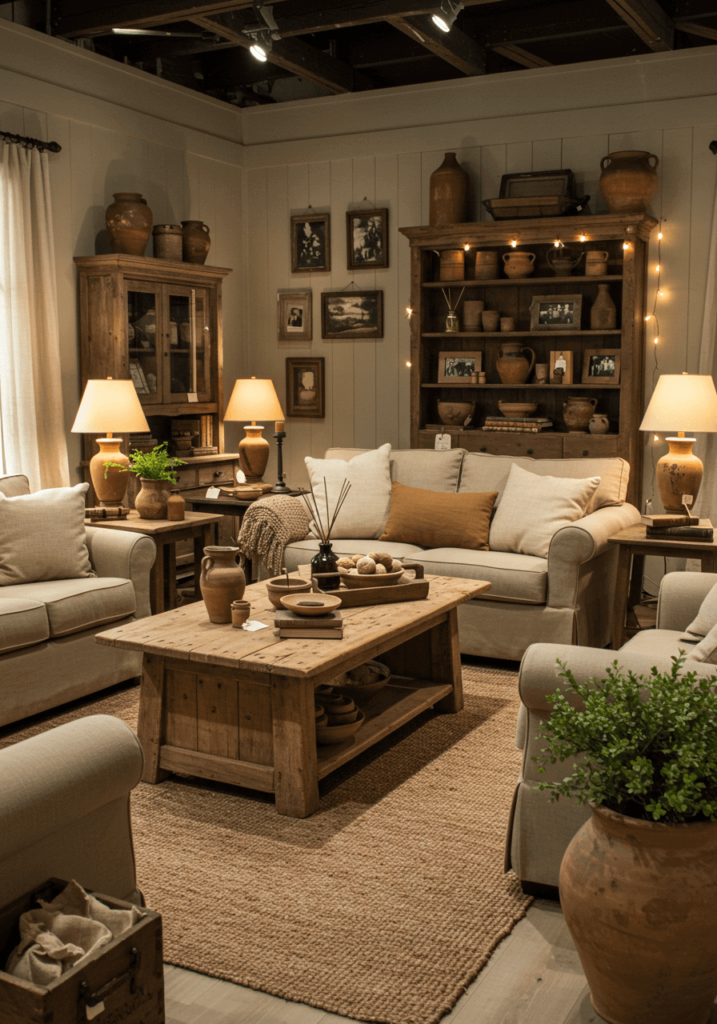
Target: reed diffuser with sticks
325 560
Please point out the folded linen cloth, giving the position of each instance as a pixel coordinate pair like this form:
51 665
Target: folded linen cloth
64 933
269 525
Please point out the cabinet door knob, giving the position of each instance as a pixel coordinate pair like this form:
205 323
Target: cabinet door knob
586 452
530 451
482 449
218 472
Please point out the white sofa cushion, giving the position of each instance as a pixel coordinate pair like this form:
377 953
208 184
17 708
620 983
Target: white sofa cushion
42 536
521 578
74 605
365 510
417 467
705 650
22 623
706 617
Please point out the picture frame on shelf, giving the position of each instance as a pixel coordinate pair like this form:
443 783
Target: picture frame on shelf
601 366
352 314
367 239
457 367
310 242
294 318
305 388
561 359
556 313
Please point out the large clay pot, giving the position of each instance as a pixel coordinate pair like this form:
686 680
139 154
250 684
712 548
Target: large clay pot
577 412
152 498
640 900
222 581
603 313
129 222
448 203
195 241
628 180
455 414
519 264
512 366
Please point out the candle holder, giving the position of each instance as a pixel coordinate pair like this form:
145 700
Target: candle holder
280 487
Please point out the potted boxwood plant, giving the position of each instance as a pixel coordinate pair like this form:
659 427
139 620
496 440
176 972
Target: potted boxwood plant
638 882
156 470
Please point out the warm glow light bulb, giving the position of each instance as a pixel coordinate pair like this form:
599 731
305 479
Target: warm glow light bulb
626 245
583 238
656 340
649 316
466 247
656 437
514 242
657 269
408 362
556 243
661 294
659 234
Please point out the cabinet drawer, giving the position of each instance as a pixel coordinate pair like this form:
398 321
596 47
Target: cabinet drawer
533 446
589 446
213 474
186 478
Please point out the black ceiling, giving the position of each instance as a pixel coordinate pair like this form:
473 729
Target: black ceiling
352 45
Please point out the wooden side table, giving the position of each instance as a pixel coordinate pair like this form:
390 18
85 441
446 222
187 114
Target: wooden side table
635 545
166 534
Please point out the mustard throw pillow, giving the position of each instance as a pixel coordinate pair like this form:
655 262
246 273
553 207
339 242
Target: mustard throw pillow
433 519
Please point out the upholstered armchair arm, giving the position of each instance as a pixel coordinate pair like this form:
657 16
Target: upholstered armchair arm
681 594
128 556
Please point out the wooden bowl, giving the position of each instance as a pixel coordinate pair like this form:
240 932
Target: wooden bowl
277 588
323 720
338 733
362 692
454 414
518 408
346 719
310 604
374 580
340 704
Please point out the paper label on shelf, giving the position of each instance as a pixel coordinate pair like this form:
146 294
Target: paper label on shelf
192 397
241 478
252 625
443 442
212 492
94 1011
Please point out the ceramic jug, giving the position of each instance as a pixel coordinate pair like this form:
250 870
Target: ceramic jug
519 264
599 424
512 366
448 194
129 222
603 312
628 180
563 261
596 263
195 242
577 412
222 581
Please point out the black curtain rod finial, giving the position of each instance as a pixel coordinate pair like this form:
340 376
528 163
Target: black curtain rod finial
28 143
713 146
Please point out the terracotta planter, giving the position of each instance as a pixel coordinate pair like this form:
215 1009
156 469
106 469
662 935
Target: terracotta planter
129 222
519 264
512 366
195 241
577 413
640 900
222 581
448 202
603 313
153 497
628 180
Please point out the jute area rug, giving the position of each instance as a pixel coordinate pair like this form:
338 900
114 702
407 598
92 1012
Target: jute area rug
382 906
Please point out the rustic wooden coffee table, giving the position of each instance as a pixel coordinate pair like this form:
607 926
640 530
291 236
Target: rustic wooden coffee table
238 707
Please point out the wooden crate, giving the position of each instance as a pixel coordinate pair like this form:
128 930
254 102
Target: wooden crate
126 975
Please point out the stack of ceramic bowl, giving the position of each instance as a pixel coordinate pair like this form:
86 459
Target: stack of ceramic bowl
343 718
364 682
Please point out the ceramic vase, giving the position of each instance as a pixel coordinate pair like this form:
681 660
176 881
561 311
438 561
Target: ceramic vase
195 241
577 412
640 901
518 264
152 499
448 194
222 581
512 366
599 424
129 222
603 313
325 561
175 507
628 180
596 263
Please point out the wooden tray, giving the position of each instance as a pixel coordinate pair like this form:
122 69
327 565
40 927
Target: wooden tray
404 590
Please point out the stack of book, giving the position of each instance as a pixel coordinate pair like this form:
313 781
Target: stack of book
676 526
142 442
313 627
518 424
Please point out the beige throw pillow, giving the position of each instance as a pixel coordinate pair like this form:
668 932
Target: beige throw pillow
365 511
42 536
533 508
706 617
705 650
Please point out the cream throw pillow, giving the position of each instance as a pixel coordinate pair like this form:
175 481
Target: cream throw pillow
705 650
365 511
533 508
706 617
42 536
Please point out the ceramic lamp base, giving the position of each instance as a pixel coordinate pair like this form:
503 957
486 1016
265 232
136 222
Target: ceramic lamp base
253 454
109 482
679 472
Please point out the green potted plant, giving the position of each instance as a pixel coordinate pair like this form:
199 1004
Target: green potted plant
155 469
638 882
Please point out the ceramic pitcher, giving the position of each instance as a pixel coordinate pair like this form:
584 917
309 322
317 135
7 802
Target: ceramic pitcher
512 366
222 581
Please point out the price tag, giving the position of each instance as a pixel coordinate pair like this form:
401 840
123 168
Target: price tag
252 625
94 1011
443 442
212 492
192 397
241 477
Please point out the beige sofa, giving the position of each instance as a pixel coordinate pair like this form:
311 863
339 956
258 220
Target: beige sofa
539 831
565 598
48 653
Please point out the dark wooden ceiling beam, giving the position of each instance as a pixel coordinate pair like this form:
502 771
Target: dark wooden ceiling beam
647 20
694 29
521 56
140 15
455 47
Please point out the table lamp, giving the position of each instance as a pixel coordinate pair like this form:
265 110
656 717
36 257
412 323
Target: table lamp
112 406
255 399
681 401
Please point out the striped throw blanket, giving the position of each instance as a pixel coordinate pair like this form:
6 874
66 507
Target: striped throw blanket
269 525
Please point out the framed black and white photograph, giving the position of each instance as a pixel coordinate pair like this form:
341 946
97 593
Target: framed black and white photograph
556 312
351 315
305 387
294 316
601 366
453 367
367 239
310 242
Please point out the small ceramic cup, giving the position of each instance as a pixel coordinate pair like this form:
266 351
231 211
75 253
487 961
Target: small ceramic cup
240 613
507 323
490 319
472 309
474 378
481 378
542 372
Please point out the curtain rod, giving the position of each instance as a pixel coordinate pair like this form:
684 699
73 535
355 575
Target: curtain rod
28 143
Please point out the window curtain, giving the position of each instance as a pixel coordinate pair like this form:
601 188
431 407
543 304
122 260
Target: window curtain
706 446
32 431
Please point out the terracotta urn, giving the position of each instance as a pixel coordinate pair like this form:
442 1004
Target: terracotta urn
512 366
222 581
628 180
518 264
448 194
195 241
129 222
577 413
153 497
640 901
599 424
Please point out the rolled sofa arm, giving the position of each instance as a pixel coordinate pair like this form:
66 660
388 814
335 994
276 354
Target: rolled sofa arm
128 556
681 594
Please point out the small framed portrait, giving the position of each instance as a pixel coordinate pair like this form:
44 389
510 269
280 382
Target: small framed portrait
556 312
351 315
367 239
561 367
293 311
455 367
310 242
305 388
601 366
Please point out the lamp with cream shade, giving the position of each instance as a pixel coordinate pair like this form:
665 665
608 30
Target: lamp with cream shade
680 402
255 399
111 406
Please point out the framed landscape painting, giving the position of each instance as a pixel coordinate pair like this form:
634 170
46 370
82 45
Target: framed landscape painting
352 315
367 239
310 242
294 316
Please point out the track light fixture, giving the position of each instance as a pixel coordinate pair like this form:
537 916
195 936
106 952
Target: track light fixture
448 13
263 34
